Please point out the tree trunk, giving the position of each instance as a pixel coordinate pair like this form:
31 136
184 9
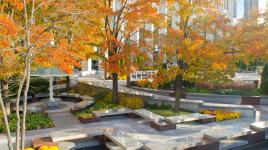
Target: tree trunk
178 92
128 81
27 84
9 139
21 83
5 95
68 82
115 88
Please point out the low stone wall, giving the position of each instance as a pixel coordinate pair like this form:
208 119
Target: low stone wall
227 99
250 100
214 98
189 105
197 105
264 100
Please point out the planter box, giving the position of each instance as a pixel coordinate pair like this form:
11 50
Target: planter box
255 137
250 100
207 120
207 144
44 141
88 119
168 126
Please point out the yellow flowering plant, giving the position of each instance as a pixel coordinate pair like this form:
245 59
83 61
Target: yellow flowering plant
221 114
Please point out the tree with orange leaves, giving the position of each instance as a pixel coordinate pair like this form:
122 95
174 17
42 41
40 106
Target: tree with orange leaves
249 39
8 62
31 45
117 25
192 46
123 22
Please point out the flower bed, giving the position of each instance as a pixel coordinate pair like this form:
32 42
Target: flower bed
45 148
221 114
33 121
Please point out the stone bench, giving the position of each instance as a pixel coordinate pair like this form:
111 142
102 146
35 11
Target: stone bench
191 117
82 105
156 121
218 133
231 144
123 140
260 129
76 134
112 112
190 142
68 95
38 142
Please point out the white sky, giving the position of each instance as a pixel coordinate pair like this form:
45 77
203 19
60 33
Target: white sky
262 5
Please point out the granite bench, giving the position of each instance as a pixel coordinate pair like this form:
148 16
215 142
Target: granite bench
76 134
191 117
82 105
260 129
123 140
218 133
112 112
189 142
38 142
156 121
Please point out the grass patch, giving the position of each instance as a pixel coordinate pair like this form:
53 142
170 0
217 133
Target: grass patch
164 110
33 121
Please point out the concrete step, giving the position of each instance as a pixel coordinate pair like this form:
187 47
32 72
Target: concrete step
228 144
113 146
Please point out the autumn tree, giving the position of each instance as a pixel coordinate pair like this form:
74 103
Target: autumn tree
8 62
192 45
117 26
249 39
29 37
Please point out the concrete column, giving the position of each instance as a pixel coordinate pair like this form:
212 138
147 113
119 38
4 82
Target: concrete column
51 88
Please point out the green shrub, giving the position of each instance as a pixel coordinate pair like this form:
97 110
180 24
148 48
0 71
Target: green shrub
160 107
37 85
33 121
86 89
132 102
103 96
264 80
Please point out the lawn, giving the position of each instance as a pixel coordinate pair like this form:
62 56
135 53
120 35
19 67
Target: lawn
165 110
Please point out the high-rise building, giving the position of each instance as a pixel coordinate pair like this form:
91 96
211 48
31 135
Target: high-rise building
249 6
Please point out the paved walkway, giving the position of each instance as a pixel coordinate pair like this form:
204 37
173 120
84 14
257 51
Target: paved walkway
138 128
63 119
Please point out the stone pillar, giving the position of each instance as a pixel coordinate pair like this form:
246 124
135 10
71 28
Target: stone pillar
51 88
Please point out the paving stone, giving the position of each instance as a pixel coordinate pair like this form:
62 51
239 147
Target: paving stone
228 144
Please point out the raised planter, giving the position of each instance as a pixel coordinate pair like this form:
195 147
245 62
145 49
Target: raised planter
250 100
207 144
207 120
255 137
44 141
88 119
164 127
